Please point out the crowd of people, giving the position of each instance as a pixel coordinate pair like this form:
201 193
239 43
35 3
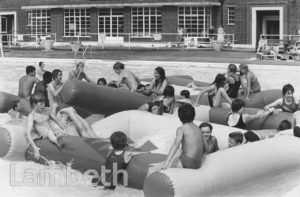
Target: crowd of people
51 119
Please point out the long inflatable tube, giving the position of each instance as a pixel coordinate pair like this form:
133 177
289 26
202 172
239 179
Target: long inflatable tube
7 100
233 167
181 80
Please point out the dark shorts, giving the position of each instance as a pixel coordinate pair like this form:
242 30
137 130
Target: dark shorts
297 131
188 162
250 136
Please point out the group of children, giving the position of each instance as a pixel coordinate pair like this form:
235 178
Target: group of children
196 141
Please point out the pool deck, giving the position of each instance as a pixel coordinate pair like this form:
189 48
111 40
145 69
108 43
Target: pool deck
150 54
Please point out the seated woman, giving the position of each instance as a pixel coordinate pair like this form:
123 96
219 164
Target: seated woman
233 81
287 103
249 81
157 85
216 93
162 103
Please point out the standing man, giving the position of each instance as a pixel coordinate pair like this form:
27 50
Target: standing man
262 44
79 73
27 82
179 34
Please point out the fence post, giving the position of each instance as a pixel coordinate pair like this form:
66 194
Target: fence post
1 46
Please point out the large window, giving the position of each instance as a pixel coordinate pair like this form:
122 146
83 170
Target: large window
77 22
231 15
3 24
145 21
195 21
111 21
39 22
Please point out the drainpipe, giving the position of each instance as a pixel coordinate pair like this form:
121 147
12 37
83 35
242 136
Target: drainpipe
222 3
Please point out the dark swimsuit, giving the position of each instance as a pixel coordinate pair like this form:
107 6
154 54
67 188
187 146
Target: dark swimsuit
241 124
110 160
233 89
188 162
293 107
297 131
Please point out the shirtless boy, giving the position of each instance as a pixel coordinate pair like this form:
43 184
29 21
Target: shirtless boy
126 77
79 73
55 87
190 137
27 82
39 123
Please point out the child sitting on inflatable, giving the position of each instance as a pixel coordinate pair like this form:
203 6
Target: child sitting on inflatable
235 139
185 97
256 135
117 158
212 143
39 122
216 93
287 103
237 119
191 139
162 103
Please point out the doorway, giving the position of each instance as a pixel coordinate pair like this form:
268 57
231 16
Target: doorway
8 27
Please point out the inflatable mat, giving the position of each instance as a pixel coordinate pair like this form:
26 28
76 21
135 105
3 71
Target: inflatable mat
180 80
234 167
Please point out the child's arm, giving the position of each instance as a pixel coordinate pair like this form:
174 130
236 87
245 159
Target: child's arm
276 103
260 114
249 76
175 146
215 143
226 97
58 122
29 129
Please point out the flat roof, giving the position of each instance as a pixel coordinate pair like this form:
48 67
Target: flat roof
111 5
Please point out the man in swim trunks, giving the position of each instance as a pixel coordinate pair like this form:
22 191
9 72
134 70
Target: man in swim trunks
190 137
55 87
79 73
256 135
126 77
251 84
27 82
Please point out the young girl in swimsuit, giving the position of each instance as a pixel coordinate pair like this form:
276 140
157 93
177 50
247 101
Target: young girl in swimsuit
252 85
162 103
237 119
216 93
233 81
287 103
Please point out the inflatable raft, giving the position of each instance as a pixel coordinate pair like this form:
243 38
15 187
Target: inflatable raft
261 159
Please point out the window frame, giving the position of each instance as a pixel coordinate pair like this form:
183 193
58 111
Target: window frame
111 16
78 20
37 20
230 21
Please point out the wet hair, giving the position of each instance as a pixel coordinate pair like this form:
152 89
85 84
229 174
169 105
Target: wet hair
250 136
232 68
286 88
36 98
47 77
79 63
237 104
55 73
101 80
15 105
284 125
41 63
119 65
30 69
186 113
206 124
169 91
219 81
244 66
118 140
162 74
185 93
112 85
237 136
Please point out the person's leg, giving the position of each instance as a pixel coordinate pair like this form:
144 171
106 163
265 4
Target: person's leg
82 127
144 107
220 96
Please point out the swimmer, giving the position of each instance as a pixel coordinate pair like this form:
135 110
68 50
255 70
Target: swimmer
217 95
40 71
191 139
252 84
235 139
212 141
42 86
39 126
237 119
184 97
126 78
233 80
16 112
164 103
78 73
102 82
27 82
287 103
55 87
256 135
